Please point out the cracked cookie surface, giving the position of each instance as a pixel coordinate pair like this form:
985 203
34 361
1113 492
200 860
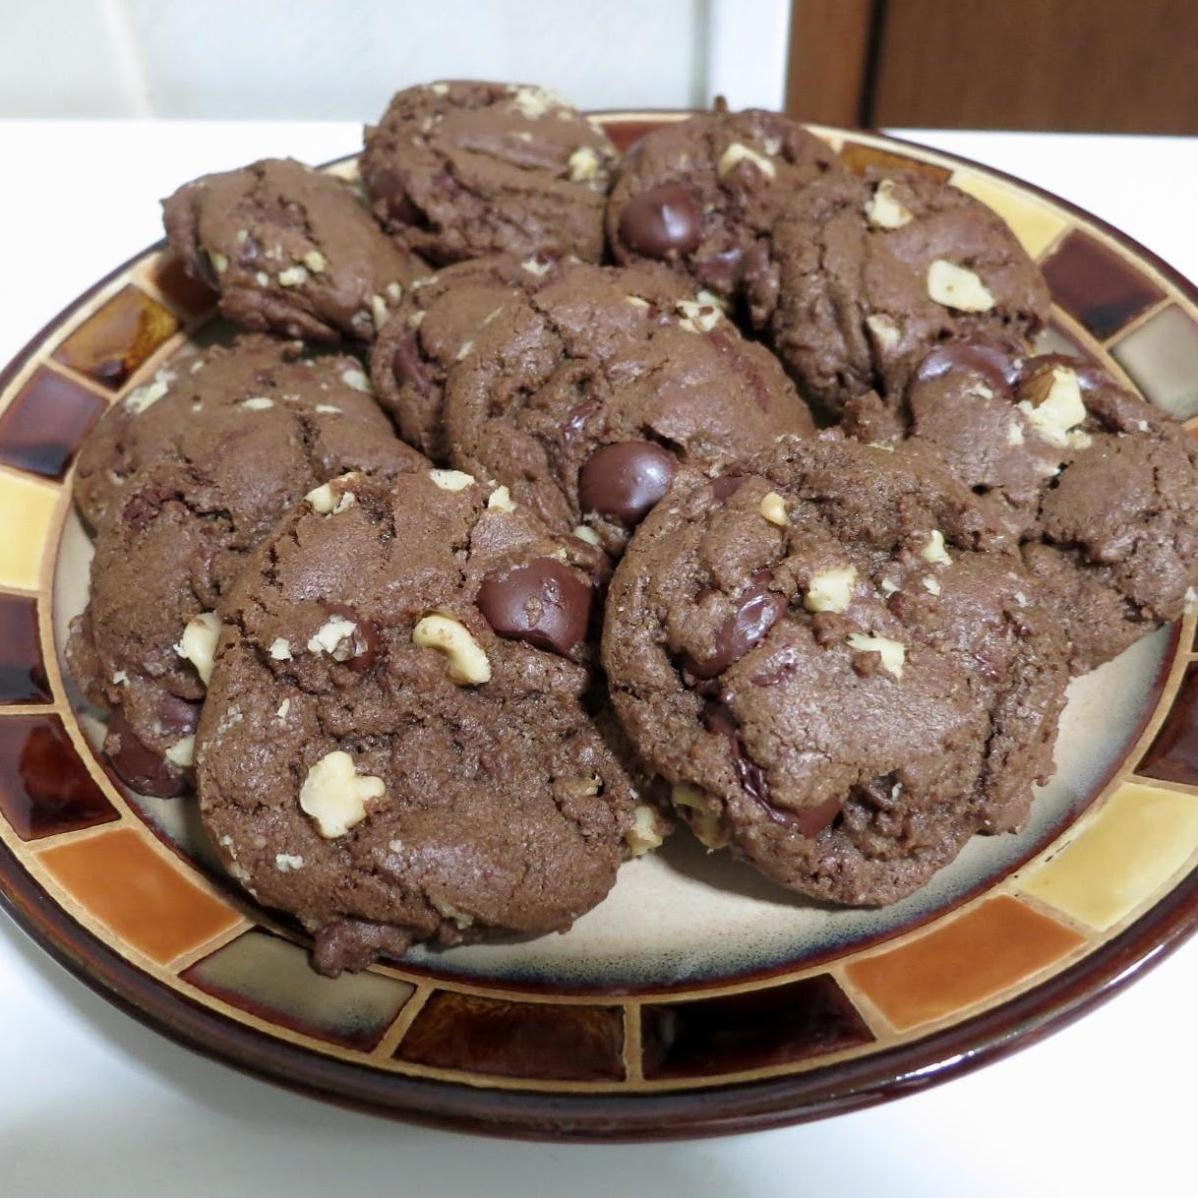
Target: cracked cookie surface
461 169
702 193
862 275
1100 487
181 481
291 250
396 745
836 667
585 393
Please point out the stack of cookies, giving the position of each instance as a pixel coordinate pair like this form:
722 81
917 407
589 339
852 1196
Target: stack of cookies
541 499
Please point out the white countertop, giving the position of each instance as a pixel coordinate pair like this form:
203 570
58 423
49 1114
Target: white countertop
92 1103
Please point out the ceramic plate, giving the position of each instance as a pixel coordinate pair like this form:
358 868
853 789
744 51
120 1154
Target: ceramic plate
697 998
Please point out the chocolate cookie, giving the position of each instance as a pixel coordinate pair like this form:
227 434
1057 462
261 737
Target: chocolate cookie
585 394
462 169
432 330
701 194
863 275
196 408
291 250
234 446
1101 487
395 745
840 677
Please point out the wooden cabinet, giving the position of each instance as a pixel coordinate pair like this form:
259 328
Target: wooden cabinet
1128 66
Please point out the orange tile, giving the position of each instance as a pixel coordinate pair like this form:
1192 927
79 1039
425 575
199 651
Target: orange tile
859 157
146 900
987 950
118 337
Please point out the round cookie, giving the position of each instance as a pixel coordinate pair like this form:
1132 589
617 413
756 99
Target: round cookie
429 333
396 745
1101 487
462 169
839 675
173 534
701 193
196 407
290 250
584 395
862 275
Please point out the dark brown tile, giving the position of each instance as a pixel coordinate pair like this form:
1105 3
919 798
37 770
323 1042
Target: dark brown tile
46 422
1096 285
115 340
189 297
44 787
22 672
515 1039
748 1031
1173 756
862 158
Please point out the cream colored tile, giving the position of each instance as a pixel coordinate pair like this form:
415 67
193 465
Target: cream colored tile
1033 221
26 512
1138 841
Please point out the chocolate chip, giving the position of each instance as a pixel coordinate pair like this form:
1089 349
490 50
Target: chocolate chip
138 766
625 480
663 222
178 717
542 602
807 821
720 270
757 611
997 361
407 367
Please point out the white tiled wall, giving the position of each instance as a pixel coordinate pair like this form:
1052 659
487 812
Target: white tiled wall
342 59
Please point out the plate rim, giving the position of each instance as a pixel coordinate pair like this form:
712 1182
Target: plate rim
845 1085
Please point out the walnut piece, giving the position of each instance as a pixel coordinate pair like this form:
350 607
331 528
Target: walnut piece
335 795
467 663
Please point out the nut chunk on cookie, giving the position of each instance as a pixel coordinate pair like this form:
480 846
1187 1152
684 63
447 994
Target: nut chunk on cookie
861 275
290 250
180 491
397 703
844 695
584 393
701 194
1100 487
462 169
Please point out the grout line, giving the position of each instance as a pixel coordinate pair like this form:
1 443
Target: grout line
185 960
1137 322
79 834
403 1021
50 707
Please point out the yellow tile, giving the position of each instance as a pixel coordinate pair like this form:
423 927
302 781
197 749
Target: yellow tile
1032 220
1139 840
26 509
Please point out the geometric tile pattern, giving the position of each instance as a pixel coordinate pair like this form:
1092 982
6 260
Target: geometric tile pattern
22 672
271 977
749 1031
1143 837
48 418
1088 902
45 788
961 961
1161 357
517 1039
113 342
1099 287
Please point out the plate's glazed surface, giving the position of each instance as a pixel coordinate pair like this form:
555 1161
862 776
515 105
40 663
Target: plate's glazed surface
697 998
